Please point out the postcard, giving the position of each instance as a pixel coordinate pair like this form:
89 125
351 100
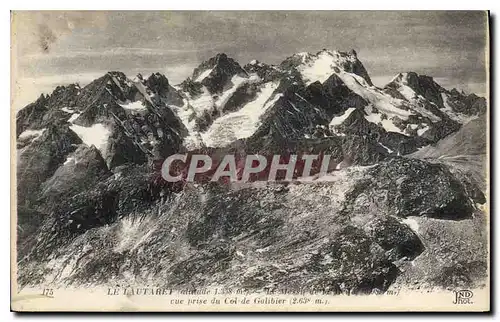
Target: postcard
250 161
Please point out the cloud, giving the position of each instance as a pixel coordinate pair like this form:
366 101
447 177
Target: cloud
177 74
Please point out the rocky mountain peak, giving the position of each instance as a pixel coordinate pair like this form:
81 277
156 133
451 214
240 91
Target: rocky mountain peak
158 83
319 66
221 57
216 71
419 83
414 86
264 71
89 159
111 87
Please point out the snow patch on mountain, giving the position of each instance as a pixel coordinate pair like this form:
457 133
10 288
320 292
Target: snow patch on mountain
383 102
203 75
407 92
243 123
303 55
381 119
96 135
73 117
74 114
412 223
134 106
203 102
68 110
337 120
70 159
319 68
34 134
402 82
421 131
142 89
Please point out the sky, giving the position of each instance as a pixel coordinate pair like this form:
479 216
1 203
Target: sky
51 48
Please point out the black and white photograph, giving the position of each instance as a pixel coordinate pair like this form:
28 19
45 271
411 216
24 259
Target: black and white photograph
250 161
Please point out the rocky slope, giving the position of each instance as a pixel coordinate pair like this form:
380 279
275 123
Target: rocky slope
93 208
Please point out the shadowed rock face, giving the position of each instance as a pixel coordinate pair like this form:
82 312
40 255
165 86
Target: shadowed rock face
467 104
399 240
404 187
149 130
425 86
229 240
191 87
334 96
28 225
38 161
122 149
357 67
159 85
92 215
341 235
348 61
81 170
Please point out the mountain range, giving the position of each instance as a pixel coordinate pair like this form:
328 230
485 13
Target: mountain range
93 209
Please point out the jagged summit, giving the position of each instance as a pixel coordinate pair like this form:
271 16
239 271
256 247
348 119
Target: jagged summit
216 71
419 83
319 66
306 94
89 161
424 90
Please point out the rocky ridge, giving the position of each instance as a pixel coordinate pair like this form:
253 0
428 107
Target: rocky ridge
92 207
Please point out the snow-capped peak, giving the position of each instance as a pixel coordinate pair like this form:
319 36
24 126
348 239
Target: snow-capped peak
321 65
220 64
